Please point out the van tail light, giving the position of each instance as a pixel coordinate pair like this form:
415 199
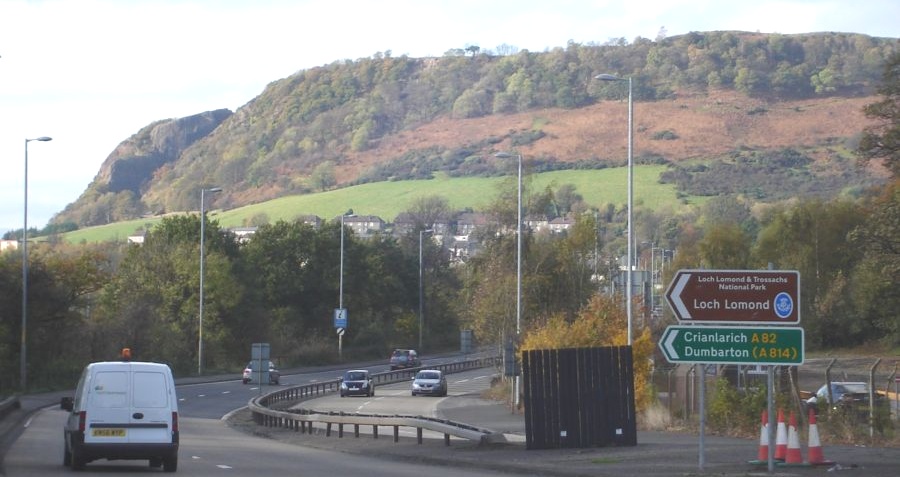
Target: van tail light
174 422
82 419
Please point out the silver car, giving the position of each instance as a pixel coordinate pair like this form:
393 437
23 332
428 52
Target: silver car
431 382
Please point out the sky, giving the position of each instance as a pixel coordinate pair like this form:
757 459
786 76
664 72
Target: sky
90 73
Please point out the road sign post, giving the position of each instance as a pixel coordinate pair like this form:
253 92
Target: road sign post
733 345
735 296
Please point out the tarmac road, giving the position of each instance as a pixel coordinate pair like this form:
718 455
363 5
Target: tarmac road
657 453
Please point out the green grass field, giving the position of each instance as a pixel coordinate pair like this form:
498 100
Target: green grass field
388 199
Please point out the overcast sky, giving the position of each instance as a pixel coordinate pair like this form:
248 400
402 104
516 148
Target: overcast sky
90 73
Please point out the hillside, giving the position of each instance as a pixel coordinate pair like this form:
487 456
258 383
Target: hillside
702 96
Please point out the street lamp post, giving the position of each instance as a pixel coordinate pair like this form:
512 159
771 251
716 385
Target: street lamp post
518 260
421 288
628 276
23 370
202 261
341 283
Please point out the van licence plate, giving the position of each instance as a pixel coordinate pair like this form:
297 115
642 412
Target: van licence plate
108 432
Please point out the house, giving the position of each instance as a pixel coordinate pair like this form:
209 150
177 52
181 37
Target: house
364 225
535 223
468 222
137 237
561 224
404 224
311 219
9 245
243 234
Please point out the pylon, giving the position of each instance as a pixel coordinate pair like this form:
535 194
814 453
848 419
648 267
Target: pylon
793 456
763 456
815 446
781 438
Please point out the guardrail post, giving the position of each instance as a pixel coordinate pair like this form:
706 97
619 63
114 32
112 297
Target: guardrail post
396 433
375 431
328 430
447 440
356 430
419 434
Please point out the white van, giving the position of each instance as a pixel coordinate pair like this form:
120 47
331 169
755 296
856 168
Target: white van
123 410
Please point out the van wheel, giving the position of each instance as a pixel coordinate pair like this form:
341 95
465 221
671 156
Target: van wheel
170 464
77 460
156 462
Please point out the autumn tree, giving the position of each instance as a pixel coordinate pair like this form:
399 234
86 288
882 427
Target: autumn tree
882 141
601 322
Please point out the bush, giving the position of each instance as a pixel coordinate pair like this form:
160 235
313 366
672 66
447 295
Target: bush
733 411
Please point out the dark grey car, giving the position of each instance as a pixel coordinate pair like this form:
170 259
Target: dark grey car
357 382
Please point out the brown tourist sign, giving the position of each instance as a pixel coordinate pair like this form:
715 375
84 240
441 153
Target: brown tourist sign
735 296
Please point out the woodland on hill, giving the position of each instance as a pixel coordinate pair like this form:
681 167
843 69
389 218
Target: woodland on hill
706 96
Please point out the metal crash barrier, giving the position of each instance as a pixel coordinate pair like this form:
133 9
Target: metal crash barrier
271 410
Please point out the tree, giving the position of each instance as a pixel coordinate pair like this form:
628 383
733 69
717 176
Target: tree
874 280
725 246
322 177
428 210
601 322
882 141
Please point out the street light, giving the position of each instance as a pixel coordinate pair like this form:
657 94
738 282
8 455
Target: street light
506 155
349 213
628 284
421 289
202 260
23 372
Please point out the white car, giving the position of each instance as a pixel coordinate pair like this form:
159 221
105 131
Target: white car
251 373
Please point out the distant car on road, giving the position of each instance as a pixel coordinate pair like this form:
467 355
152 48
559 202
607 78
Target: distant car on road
357 382
431 382
850 396
405 358
251 372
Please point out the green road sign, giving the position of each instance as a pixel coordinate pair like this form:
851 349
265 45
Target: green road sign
733 345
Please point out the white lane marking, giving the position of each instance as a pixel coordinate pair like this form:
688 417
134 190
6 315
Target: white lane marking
27 423
223 466
180 399
226 392
201 395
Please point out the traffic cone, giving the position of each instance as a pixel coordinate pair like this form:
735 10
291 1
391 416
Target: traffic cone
815 446
763 456
780 438
793 457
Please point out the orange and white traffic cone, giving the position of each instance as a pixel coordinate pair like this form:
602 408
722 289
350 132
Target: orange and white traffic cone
816 457
781 439
794 456
763 456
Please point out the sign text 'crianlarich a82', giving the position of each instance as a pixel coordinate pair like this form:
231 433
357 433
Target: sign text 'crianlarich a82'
773 345
735 296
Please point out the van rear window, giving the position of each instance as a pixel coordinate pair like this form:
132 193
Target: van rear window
150 390
110 389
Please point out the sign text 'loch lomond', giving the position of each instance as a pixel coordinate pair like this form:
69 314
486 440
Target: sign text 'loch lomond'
736 296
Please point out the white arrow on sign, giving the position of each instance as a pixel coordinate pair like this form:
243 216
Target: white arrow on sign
683 312
667 345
